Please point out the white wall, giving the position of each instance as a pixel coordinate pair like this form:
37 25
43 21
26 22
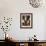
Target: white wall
13 8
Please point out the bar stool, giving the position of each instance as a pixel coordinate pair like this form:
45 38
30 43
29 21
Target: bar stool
40 44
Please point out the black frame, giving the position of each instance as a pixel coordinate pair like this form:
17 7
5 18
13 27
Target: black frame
30 14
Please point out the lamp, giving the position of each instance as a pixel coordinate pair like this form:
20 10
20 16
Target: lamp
36 3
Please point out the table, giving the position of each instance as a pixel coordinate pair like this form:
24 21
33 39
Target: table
26 42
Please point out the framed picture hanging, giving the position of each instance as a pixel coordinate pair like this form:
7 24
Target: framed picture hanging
26 20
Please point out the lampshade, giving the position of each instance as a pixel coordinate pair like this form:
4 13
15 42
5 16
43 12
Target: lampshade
36 3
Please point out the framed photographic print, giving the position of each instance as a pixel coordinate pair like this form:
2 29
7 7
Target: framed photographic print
26 20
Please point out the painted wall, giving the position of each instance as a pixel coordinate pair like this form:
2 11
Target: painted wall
13 8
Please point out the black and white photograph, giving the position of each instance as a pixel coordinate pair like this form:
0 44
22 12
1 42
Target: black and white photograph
26 20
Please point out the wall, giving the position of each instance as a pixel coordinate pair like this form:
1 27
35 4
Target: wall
13 8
